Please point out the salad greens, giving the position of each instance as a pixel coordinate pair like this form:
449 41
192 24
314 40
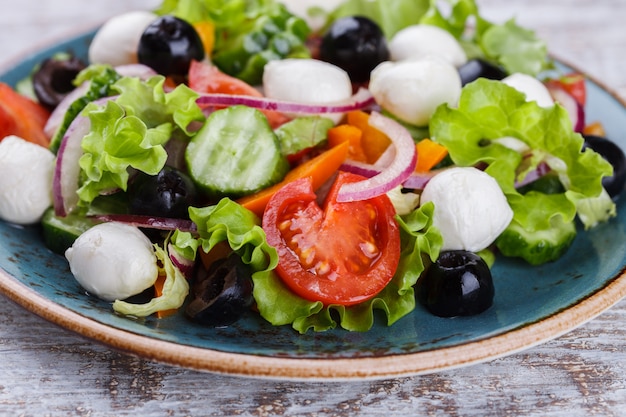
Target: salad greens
130 131
490 110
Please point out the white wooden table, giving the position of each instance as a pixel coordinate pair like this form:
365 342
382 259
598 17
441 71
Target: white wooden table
48 371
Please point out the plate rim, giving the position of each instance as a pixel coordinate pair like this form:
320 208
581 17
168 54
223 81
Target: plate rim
322 369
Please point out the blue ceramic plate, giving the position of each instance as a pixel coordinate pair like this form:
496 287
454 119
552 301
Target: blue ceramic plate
531 305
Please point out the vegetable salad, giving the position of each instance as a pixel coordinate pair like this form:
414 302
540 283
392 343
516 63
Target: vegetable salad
310 164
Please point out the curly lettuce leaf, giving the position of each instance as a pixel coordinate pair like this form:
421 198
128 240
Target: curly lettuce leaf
489 110
175 290
513 47
130 131
391 15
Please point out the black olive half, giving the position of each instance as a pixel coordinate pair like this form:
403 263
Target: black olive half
54 79
478 68
223 294
614 184
459 283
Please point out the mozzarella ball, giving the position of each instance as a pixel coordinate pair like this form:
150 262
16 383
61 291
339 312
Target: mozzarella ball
307 81
534 89
412 90
113 261
470 208
117 41
420 41
26 172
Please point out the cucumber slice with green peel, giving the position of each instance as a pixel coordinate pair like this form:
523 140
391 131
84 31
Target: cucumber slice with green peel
539 246
235 153
59 233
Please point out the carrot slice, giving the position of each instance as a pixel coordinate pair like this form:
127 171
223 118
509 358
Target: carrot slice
158 291
351 134
429 154
320 169
595 129
374 142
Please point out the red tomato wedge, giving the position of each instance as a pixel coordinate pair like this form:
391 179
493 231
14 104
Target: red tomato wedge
21 116
340 253
574 85
207 78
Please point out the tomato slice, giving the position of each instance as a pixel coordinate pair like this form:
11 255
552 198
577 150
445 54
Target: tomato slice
22 117
574 85
340 253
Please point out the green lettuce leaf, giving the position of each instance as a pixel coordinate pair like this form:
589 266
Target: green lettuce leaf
489 110
130 131
175 290
391 15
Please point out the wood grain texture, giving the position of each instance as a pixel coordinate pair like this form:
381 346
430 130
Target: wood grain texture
48 371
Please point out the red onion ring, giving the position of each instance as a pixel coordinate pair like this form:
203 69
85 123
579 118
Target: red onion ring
148 222
362 99
397 172
67 170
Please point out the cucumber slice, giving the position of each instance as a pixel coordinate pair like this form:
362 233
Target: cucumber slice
539 246
59 233
235 153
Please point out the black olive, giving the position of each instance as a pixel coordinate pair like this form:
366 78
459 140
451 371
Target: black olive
223 294
168 45
53 80
356 44
478 68
614 184
459 283
167 194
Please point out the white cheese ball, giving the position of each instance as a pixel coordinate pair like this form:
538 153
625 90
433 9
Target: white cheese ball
117 41
308 81
412 90
470 208
113 261
420 41
26 172
534 89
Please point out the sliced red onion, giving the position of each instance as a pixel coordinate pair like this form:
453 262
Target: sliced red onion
148 222
184 265
362 99
542 169
575 110
58 114
418 180
415 181
395 173
67 170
